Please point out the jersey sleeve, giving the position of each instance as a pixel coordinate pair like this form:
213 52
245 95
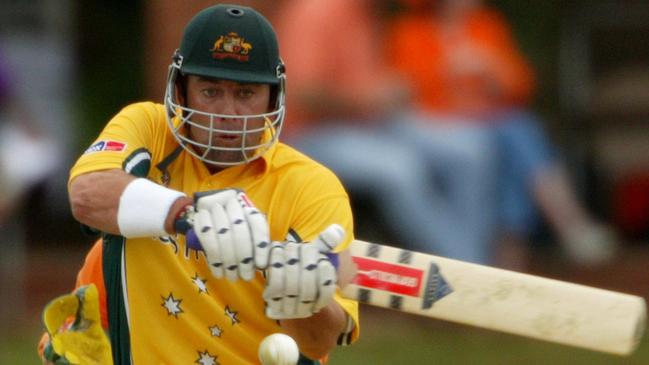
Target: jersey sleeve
136 127
320 202
331 205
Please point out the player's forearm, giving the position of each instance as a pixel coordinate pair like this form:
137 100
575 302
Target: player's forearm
317 335
95 200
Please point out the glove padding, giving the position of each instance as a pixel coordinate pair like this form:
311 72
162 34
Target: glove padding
74 326
233 233
301 279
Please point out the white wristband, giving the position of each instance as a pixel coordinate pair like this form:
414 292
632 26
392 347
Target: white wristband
143 208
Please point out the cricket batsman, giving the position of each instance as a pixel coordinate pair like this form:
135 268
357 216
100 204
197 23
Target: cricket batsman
208 160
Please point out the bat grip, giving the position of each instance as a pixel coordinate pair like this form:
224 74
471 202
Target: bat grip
192 240
333 258
185 227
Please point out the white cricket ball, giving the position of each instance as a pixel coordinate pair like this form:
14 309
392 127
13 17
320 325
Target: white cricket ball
278 349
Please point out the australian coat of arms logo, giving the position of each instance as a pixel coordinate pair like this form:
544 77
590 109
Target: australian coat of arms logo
231 46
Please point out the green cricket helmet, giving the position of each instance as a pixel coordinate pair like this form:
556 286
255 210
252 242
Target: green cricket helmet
234 43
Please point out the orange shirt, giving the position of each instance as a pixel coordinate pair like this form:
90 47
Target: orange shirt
331 46
92 273
472 66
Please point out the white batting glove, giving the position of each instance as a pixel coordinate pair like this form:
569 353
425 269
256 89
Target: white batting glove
300 278
233 233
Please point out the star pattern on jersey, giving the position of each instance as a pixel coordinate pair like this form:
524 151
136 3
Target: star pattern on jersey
172 305
205 358
216 331
200 283
232 315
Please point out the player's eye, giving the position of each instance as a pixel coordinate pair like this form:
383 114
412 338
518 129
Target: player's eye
245 93
210 92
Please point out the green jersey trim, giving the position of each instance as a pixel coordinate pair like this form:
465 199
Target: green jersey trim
113 265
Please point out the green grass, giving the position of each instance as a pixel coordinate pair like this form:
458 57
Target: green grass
395 338
18 346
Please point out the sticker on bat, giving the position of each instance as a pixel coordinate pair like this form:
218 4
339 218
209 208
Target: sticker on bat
402 280
436 287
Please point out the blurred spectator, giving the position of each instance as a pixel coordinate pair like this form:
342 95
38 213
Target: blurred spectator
26 155
463 65
345 110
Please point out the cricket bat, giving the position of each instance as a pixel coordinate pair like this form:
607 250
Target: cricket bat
496 299
491 298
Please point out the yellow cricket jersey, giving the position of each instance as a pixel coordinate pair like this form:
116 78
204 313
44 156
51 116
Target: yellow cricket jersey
164 306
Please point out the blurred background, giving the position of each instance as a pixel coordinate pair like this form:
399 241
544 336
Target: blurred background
67 66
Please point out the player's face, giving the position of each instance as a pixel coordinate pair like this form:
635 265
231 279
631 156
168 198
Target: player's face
229 98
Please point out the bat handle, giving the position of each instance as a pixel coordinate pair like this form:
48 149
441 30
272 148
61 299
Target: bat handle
185 227
333 258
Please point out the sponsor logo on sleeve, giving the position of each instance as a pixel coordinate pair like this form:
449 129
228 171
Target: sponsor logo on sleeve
106 145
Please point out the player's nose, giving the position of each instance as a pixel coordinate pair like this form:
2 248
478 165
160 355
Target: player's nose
227 105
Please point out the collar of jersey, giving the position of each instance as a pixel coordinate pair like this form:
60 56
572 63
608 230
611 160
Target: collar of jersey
260 166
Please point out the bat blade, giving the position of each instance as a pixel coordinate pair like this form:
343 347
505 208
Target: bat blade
496 299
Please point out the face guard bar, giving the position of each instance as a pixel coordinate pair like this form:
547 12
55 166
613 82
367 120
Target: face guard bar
179 120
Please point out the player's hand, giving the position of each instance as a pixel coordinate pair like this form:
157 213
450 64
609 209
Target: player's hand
301 279
233 233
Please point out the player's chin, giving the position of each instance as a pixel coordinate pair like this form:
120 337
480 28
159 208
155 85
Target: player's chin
226 158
